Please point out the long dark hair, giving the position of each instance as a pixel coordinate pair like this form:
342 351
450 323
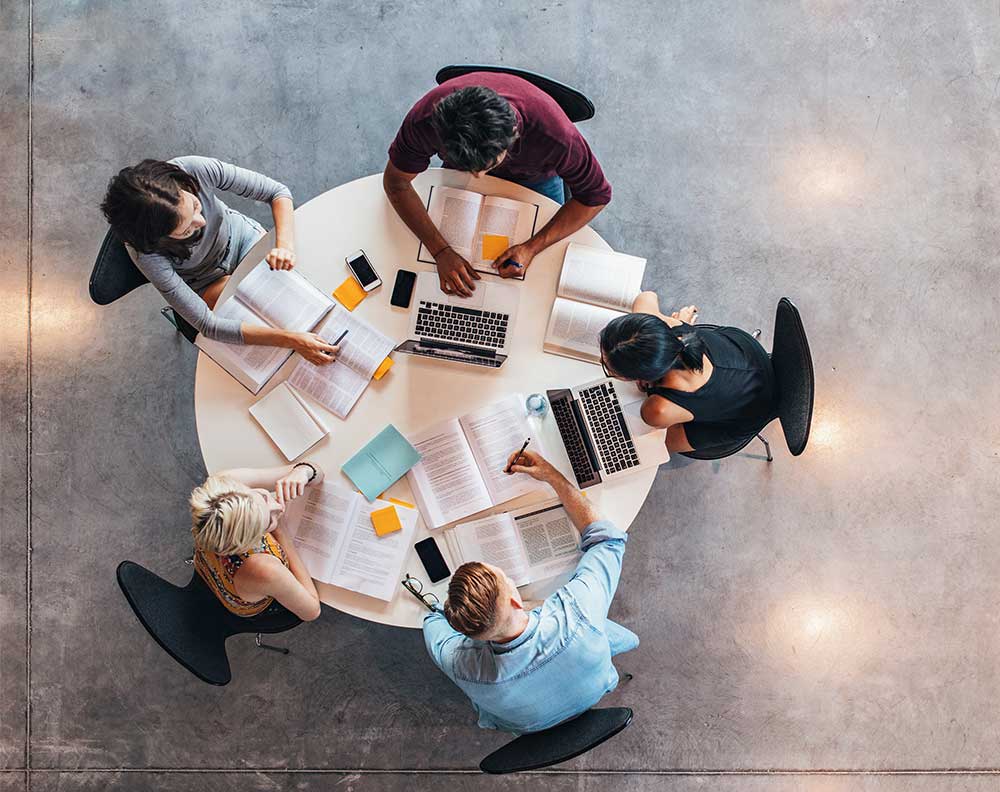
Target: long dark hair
641 346
141 205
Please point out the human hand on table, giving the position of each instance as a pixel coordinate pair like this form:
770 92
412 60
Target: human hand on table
314 349
534 465
455 273
281 258
522 254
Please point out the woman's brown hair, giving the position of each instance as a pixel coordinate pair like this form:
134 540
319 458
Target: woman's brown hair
473 593
141 206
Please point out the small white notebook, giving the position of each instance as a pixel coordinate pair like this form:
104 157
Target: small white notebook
269 298
333 533
463 217
289 421
530 544
462 462
595 286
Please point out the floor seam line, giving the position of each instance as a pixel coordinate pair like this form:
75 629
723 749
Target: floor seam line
28 402
941 771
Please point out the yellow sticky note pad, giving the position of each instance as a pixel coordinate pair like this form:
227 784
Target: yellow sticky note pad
350 293
386 521
494 245
382 369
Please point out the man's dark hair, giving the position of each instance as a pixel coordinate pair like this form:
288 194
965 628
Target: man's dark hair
476 125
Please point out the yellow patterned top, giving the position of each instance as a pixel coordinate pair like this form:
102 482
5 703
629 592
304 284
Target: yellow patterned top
218 572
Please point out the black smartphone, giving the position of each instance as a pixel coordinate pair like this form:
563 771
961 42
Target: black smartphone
402 291
432 559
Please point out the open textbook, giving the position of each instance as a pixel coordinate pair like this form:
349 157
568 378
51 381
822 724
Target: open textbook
265 297
595 286
339 385
464 217
333 533
462 462
529 544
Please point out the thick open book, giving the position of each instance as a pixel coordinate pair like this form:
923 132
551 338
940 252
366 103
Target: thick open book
289 421
270 298
530 544
464 217
461 469
339 385
333 533
595 286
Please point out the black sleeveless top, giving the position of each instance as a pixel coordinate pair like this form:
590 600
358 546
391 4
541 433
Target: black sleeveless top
738 398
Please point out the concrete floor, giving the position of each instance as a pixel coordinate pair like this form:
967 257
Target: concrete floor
831 617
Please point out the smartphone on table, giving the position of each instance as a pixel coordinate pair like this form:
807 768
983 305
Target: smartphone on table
430 556
402 291
363 271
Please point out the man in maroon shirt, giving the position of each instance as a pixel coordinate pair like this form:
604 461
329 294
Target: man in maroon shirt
485 122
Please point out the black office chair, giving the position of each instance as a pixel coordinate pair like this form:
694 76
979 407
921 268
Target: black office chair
191 625
115 275
795 388
558 744
574 104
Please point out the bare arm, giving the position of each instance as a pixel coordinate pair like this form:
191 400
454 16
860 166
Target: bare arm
282 255
571 217
649 302
311 346
580 510
268 478
265 576
455 273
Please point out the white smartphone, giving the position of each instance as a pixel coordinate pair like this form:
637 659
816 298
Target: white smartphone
363 271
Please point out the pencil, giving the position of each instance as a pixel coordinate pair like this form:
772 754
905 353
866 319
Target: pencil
518 457
341 338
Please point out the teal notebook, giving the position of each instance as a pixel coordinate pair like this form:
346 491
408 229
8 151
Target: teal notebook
381 463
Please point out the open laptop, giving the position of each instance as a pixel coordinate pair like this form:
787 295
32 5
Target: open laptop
474 330
602 432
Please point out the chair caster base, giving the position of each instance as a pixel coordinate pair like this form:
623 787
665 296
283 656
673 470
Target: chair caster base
280 649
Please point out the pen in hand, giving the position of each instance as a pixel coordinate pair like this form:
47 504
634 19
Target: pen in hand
518 457
339 339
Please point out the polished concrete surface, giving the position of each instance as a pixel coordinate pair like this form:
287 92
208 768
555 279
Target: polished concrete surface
836 612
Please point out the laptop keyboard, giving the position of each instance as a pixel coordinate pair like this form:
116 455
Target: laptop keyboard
575 449
608 427
461 325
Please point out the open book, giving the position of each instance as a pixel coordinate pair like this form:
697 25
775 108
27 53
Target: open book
290 423
333 534
339 385
529 544
464 217
266 297
461 469
595 286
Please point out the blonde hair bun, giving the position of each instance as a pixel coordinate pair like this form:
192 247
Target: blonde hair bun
225 517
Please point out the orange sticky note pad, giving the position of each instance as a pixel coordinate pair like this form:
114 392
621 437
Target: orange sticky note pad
494 245
402 503
382 369
386 521
350 293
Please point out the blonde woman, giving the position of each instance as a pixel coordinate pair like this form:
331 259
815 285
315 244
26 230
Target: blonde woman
240 550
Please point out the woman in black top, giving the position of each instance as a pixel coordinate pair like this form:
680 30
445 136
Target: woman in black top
709 386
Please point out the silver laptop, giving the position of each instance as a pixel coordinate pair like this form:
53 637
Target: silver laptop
602 432
474 330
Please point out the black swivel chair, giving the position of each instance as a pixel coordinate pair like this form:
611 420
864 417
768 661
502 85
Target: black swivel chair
574 104
558 744
115 275
191 625
795 387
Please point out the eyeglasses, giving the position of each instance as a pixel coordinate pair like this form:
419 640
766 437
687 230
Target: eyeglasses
605 367
416 588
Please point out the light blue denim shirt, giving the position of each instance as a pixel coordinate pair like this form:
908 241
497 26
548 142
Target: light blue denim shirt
560 665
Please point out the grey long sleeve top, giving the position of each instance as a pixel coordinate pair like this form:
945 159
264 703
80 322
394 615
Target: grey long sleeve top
179 281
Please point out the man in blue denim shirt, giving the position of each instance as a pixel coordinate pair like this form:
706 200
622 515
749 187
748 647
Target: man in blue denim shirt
528 670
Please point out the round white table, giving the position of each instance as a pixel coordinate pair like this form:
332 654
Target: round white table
416 392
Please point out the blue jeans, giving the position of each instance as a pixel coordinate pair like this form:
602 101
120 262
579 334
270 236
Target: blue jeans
551 188
621 639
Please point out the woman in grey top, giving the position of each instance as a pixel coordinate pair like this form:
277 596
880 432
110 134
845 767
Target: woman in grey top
187 241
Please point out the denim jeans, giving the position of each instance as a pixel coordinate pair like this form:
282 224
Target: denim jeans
552 187
620 639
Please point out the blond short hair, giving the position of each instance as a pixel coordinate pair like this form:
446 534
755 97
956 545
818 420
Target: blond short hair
473 599
225 517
